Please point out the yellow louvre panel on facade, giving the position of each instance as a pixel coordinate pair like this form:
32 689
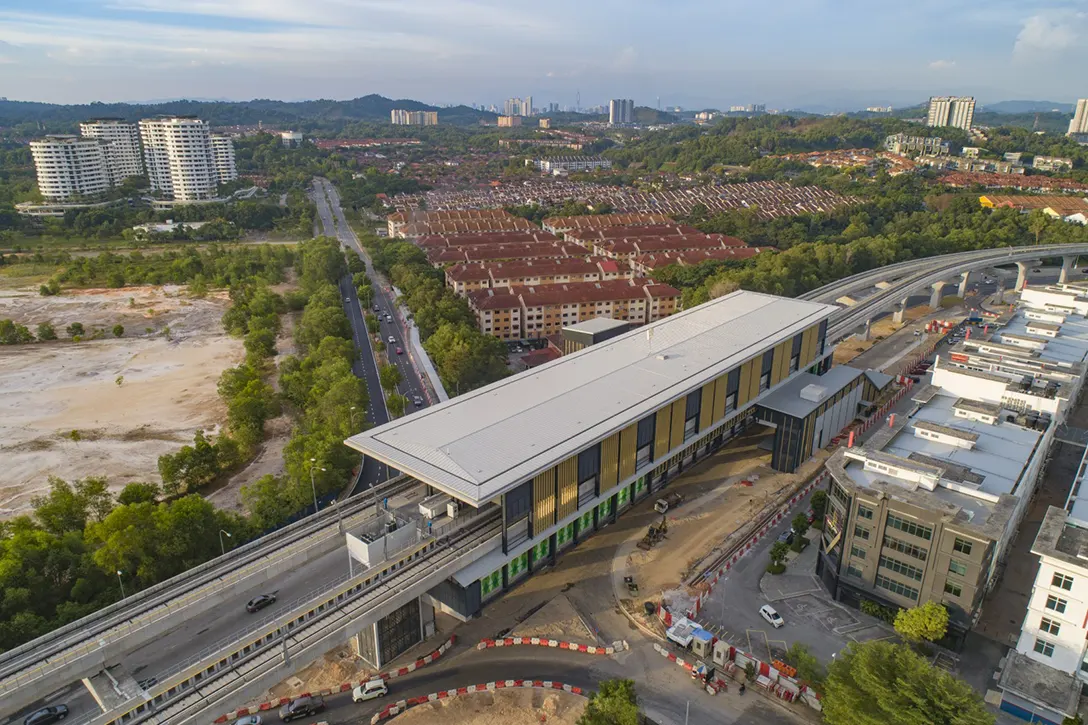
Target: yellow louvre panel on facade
661 432
706 406
568 486
753 380
610 448
678 410
745 380
628 451
544 499
776 365
719 397
808 345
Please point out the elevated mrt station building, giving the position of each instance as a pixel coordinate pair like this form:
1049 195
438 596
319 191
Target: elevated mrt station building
563 449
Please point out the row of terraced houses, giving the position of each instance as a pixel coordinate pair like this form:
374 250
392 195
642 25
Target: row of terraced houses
524 282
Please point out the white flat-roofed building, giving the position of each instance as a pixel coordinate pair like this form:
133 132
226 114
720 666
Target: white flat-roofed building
122 146
70 167
566 446
182 162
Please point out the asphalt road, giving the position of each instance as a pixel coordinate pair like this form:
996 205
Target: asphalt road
336 225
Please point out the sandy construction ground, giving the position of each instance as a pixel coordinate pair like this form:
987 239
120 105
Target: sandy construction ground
48 390
501 707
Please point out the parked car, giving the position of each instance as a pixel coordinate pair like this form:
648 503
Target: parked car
46 715
917 333
786 537
248 720
400 351
301 707
369 691
259 602
773 617
810 515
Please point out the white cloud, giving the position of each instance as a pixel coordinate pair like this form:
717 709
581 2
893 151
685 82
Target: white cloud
1052 33
942 64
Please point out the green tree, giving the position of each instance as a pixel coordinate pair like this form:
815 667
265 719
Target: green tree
879 683
69 508
390 377
138 493
800 524
1038 221
396 404
75 330
809 668
198 287
118 330
614 703
819 504
928 622
14 334
269 501
778 557
46 332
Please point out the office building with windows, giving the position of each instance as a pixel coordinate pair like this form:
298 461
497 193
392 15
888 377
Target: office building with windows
1043 676
122 146
564 449
927 508
621 111
70 167
184 161
518 106
954 111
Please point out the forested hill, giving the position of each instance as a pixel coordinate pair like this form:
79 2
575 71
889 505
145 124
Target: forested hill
301 115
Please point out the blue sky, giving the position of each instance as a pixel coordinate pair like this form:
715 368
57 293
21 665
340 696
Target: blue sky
695 53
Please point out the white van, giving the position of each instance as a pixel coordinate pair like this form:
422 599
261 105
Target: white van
369 690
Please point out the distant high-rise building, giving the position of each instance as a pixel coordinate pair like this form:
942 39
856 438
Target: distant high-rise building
1079 124
553 108
757 108
122 146
400 117
69 166
184 161
954 111
518 106
621 111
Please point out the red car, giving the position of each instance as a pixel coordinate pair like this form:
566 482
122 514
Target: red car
400 351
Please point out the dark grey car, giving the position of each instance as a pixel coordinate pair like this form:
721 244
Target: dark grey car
301 707
47 715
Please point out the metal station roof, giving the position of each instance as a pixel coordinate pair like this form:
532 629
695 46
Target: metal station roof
481 444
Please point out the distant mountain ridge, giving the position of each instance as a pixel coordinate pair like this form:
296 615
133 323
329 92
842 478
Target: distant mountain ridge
305 115
1028 107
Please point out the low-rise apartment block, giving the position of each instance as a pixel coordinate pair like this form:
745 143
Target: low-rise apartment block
552 164
435 241
464 278
564 224
502 252
628 249
591 235
509 121
512 313
647 264
970 165
460 221
1051 163
906 145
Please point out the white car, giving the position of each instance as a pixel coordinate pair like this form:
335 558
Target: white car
249 720
392 340
773 617
369 691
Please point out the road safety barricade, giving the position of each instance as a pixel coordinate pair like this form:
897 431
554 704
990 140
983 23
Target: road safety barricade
396 708
619 646
343 687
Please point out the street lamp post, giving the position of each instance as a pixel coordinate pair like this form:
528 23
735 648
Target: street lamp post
121 582
313 486
221 544
352 410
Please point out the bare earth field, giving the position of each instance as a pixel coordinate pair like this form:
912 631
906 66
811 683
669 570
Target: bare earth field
501 707
48 390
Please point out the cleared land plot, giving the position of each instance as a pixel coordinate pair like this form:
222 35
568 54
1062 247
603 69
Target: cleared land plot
48 390
502 707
